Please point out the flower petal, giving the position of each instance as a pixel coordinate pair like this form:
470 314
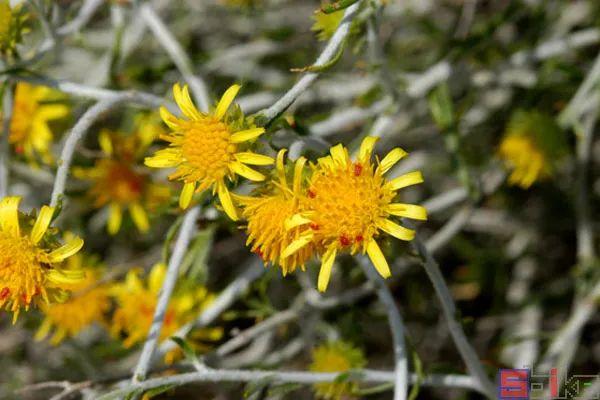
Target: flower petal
391 159
9 216
295 221
139 217
226 202
378 259
248 134
165 158
183 100
226 101
280 166
157 277
253 158
246 172
298 168
366 148
297 245
396 230
115 216
185 198
41 224
339 154
412 178
326 267
408 211
65 276
105 142
66 251
169 119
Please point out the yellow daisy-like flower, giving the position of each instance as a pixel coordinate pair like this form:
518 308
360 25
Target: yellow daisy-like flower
325 25
266 215
349 202
119 183
137 301
531 144
30 260
88 303
12 20
336 357
207 148
29 130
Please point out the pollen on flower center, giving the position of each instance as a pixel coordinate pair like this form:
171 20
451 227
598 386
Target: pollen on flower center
347 202
207 147
20 271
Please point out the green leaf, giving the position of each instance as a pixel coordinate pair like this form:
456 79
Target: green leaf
440 105
194 262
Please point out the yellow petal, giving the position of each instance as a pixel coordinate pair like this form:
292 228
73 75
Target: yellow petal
115 216
105 142
408 210
295 221
65 276
43 330
66 251
156 277
326 266
226 101
297 245
246 172
169 119
226 202
41 224
412 178
139 217
366 148
391 159
339 154
49 112
253 158
281 167
166 158
183 100
185 198
9 215
298 168
396 230
248 134
378 259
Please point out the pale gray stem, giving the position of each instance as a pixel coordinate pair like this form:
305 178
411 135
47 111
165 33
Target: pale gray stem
326 56
396 326
450 229
186 231
179 57
7 106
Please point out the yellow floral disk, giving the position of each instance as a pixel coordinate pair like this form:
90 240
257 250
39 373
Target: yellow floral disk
29 266
524 158
336 357
205 149
348 203
266 215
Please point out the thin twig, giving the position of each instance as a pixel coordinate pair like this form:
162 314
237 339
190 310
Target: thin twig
179 57
7 106
185 235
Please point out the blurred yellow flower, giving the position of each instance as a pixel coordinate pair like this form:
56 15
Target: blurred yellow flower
137 300
119 183
87 304
348 203
32 111
336 357
12 21
531 143
325 25
206 149
31 258
266 215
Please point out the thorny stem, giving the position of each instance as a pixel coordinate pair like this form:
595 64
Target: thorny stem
185 235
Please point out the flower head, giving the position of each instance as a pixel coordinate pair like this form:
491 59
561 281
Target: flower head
137 300
266 215
349 203
119 184
207 149
531 144
325 25
30 133
87 304
12 26
336 357
31 258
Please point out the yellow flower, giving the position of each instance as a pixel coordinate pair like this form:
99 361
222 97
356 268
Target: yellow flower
266 215
119 184
29 130
137 301
30 260
348 204
325 25
12 21
206 149
531 144
88 304
336 357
